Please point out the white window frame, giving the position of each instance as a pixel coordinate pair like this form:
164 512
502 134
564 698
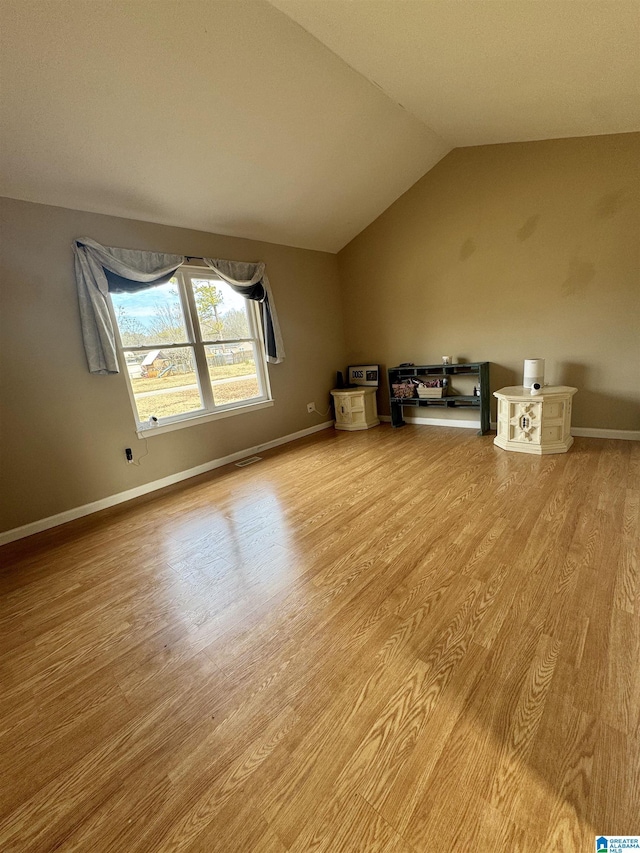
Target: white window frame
210 411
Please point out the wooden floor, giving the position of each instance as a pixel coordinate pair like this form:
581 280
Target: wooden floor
387 642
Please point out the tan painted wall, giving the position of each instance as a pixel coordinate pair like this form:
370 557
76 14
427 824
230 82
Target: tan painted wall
499 253
64 431
507 252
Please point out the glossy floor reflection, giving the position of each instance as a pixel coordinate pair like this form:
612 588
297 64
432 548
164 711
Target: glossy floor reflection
365 642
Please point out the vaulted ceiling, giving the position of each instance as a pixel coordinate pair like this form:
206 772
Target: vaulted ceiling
292 121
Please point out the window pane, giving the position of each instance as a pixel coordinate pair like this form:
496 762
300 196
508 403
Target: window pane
151 316
164 382
222 312
232 369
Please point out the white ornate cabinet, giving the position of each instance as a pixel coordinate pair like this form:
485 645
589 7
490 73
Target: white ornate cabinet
539 423
356 408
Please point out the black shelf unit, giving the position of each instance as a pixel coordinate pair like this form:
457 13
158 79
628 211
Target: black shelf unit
479 370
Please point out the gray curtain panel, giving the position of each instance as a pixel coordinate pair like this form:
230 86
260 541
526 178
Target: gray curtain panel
100 269
250 281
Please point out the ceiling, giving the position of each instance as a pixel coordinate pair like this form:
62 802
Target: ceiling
481 72
294 121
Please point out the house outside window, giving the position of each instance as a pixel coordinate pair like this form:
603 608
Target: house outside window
190 348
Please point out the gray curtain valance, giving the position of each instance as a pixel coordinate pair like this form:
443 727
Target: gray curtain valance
100 269
250 281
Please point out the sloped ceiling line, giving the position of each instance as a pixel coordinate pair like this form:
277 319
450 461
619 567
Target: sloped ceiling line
126 108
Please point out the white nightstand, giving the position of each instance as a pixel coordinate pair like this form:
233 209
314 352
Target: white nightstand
356 408
538 423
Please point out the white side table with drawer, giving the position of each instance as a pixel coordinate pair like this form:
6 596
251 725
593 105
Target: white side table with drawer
355 408
534 423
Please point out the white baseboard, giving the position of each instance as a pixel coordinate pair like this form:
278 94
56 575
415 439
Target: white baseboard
412 419
590 432
104 503
584 432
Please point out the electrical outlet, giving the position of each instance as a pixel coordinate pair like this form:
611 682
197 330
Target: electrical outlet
311 407
129 455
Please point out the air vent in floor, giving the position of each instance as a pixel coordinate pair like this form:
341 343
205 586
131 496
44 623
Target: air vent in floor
248 461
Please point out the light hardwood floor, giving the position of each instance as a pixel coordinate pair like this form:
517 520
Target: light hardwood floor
387 642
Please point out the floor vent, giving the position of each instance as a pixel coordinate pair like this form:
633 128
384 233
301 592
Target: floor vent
248 461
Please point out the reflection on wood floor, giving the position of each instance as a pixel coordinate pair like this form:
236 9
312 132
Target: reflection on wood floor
387 642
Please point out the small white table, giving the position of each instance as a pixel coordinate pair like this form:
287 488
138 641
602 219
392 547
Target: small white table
356 408
534 423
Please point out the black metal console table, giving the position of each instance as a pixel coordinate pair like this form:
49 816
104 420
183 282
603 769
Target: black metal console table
450 399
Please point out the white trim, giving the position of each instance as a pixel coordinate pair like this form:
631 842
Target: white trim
459 424
104 503
591 432
193 420
209 410
87 509
584 432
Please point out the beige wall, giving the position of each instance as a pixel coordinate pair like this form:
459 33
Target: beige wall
64 430
500 253
507 252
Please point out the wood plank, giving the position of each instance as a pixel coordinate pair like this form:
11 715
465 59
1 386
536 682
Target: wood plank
325 653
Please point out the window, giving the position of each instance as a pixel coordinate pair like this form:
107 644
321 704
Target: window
191 347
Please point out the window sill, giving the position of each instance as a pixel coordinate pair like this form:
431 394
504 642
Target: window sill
149 432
